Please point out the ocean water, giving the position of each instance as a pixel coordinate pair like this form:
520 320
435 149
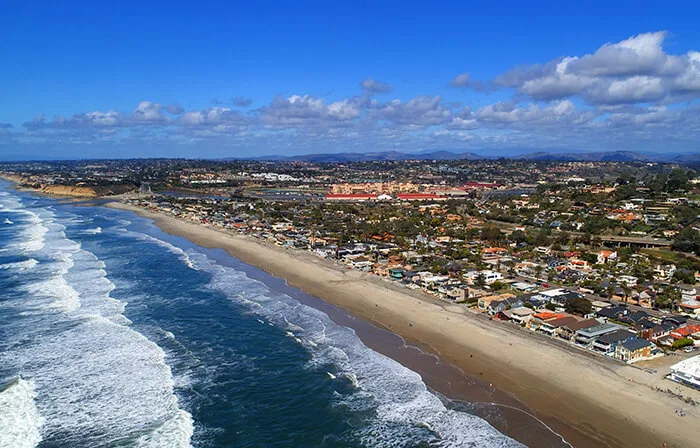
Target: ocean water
113 334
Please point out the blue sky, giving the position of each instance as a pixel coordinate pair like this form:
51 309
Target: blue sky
224 79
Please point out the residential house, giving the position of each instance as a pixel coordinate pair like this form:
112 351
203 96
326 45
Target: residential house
656 333
585 336
605 256
520 315
539 319
361 263
687 372
664 272
489 276
484 302
611 312
397 273
690 304
496 306
634 350
676 320
568 330
606 343
551 327
628 280
599 305
689 331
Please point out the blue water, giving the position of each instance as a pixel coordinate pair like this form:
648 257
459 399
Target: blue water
113 334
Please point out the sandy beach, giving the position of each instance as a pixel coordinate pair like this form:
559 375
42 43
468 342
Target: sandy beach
591 401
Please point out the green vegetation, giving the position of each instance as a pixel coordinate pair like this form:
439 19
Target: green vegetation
683 342
580 306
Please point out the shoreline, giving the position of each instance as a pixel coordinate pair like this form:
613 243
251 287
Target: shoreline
589 401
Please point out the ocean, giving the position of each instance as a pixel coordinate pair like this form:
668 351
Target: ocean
114 334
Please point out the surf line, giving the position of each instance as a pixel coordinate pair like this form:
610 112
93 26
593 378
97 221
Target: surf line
530 415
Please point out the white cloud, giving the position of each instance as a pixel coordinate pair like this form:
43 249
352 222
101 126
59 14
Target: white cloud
635 70
461 80
372 86
419 111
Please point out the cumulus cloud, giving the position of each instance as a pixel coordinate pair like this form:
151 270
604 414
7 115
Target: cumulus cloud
461 80
174 109
635 70
211 116
372 86
640 55
6 126
148 112
419 111
308 110
241 101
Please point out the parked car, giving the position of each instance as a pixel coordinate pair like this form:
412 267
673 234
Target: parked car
689 349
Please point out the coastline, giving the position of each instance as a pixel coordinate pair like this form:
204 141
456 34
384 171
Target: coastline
590 400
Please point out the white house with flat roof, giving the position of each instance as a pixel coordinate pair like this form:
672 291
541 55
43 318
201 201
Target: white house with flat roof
488 275
687 372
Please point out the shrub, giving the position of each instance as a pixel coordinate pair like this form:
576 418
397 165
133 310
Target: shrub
683 342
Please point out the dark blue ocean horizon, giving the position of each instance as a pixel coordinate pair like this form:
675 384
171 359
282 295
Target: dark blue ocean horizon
114 334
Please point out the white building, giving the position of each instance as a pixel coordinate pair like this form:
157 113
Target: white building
489 276
687 372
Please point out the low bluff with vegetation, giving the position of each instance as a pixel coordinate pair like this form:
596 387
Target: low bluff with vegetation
80 191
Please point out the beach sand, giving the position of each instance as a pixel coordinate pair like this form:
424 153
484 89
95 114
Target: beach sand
590 400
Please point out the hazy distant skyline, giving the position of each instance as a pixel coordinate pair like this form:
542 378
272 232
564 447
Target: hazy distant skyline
227 79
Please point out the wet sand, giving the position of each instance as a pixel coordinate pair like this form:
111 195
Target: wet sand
590 400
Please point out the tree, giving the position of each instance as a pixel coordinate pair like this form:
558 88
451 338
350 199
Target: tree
518 236
498 285
625 191
480 280
677 180
581 306
491 234
684 276
687 240
550 306
682 342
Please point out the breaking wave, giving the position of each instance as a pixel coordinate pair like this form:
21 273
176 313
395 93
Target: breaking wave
20 421
91 377
401 408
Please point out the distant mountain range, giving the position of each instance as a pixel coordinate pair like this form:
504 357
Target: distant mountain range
612 156
374 156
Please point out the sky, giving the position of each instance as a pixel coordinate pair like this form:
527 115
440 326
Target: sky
243 79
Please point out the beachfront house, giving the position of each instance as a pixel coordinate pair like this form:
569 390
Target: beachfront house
520 315
539 319
397 273
585 336
551 327
687 372
496 306
484 302
568 330
606 343
634 350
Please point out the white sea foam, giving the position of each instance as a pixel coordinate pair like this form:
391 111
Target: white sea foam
33 234
95 231
164 244
176 432
98 382
404 410
20 421
55 292
31 224
20 266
